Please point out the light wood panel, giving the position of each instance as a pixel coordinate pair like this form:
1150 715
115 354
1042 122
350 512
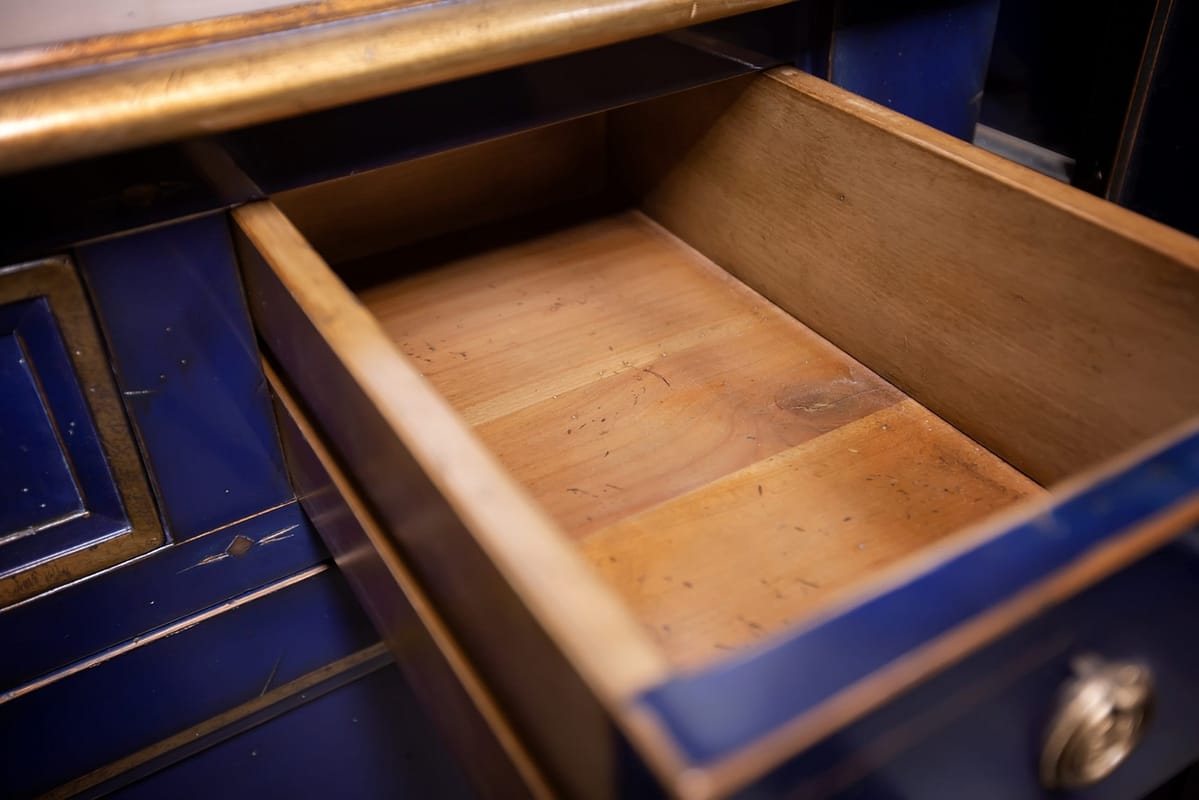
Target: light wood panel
744 557
1116 553
610 367
353 217
1055 328
721 464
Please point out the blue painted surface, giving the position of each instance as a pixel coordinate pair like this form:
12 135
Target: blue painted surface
36 484
715 712
139 696
975 730
55 629
368 739
926 59
360 665
52 467
170 304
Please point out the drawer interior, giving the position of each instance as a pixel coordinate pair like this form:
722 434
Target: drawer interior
723 466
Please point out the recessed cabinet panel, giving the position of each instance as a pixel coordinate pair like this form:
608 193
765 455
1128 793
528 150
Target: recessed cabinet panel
37 487
74 498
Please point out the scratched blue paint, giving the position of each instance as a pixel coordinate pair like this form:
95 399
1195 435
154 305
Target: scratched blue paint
145 593
926 59
170 303
52 467
715 712
137 697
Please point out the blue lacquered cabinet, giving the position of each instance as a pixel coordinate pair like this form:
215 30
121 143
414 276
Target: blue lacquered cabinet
576 399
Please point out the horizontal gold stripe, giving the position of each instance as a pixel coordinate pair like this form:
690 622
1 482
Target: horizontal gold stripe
304 683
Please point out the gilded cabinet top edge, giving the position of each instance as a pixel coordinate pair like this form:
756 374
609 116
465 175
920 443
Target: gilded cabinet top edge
50 116
110 35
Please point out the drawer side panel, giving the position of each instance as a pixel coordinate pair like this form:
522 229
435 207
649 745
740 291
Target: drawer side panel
529 675
478 735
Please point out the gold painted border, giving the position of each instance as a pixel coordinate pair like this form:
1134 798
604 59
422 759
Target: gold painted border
55 279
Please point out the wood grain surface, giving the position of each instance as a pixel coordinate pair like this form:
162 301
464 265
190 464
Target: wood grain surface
722 466
1055 328
357 216
732 468
496 567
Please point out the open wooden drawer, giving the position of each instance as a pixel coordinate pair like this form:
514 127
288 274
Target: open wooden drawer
713 423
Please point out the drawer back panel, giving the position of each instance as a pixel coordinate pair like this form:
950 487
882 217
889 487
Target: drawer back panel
360 215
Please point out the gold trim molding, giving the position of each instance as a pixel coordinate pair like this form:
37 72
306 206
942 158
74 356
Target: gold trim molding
48 117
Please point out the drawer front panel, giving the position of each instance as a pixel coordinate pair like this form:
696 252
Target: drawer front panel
978 729
139 693
982 588
374 742
61 627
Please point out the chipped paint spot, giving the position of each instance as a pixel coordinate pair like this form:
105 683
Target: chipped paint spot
239 546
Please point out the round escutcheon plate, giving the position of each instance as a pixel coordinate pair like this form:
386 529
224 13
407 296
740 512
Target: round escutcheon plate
1101 717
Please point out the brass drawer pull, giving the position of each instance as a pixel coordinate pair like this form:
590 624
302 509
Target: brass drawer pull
1101 717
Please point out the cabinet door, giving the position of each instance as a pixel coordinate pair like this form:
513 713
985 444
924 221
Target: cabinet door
74 498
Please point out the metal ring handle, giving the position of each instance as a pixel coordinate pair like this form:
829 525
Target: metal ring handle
1101 717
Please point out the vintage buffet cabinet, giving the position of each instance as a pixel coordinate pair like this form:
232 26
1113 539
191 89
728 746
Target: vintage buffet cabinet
577 399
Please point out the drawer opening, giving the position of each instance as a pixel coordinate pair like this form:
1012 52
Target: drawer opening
581 294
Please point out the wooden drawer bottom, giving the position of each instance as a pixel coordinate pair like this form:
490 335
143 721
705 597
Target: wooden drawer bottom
722 466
